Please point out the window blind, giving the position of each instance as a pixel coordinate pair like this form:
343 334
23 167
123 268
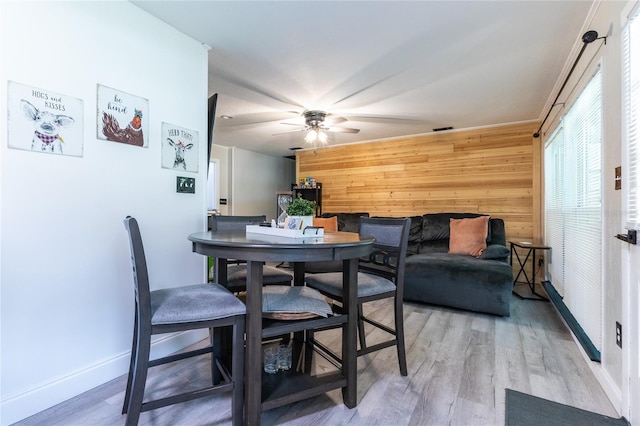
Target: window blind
573 212
553 182
631 99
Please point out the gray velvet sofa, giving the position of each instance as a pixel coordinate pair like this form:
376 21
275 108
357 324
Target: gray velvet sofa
434 276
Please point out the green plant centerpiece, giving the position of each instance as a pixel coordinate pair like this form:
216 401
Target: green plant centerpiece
301 207
300 213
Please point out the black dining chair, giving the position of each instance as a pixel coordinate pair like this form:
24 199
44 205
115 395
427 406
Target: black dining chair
201 306
380 276
235 278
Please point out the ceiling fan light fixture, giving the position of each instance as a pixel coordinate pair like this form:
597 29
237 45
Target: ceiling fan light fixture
311 137
316 136
317 131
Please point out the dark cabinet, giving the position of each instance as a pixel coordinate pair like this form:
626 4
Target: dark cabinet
310 193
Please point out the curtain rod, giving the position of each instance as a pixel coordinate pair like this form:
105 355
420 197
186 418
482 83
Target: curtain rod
588 37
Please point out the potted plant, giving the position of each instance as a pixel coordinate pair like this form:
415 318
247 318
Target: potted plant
300 213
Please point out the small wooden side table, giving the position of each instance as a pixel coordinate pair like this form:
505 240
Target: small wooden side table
531 248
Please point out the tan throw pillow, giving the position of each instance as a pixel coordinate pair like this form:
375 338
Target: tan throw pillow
330 224
468 236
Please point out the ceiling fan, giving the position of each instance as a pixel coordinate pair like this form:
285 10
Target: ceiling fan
317 128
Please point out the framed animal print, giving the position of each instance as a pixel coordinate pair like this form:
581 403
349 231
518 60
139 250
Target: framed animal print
179 148
122 117
40 120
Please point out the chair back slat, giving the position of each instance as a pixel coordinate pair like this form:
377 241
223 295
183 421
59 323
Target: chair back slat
140 273
389 249
391 234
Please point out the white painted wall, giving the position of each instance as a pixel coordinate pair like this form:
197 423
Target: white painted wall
66 283
252 180
607 23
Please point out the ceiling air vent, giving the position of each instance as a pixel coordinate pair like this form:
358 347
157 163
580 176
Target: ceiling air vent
292 157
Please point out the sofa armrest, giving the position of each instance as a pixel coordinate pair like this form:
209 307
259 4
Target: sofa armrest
495 252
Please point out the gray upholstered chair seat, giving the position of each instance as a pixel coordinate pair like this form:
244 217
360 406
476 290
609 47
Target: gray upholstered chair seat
200 302
368 285
237 275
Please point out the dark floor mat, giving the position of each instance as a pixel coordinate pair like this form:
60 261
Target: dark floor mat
523 409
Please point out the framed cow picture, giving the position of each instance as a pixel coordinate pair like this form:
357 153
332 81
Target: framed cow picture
179 148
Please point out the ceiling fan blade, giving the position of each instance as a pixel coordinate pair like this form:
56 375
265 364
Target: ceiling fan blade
342 130
387 119
260 90
290 131
253 118
357 92
334 120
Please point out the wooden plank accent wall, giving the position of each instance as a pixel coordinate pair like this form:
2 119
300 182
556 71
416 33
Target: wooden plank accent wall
489 170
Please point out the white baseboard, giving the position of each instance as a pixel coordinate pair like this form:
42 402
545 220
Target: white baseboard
609 386
25 404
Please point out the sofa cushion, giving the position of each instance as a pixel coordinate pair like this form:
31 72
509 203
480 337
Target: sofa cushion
468 236
497 231
435 226
347 222
435 231
415 235
459 281
435 246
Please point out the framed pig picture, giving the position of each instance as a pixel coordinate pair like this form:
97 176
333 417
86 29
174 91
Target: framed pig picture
41 120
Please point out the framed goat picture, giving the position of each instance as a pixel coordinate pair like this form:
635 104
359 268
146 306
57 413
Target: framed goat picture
40 120
122 117
179 148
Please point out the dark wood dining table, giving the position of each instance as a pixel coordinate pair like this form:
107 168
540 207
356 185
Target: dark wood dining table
256 249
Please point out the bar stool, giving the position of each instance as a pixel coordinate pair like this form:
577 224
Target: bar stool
170 310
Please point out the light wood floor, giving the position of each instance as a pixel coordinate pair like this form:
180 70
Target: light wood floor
459 366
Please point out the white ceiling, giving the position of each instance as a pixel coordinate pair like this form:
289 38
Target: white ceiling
391 68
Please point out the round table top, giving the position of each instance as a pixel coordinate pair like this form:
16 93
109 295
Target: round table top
262 247
244 239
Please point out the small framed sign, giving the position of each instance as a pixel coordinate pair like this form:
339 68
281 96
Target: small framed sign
185 185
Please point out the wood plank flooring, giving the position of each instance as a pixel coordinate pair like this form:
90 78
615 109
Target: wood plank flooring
459 366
